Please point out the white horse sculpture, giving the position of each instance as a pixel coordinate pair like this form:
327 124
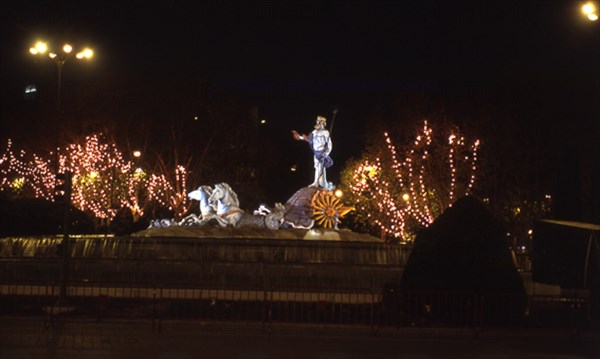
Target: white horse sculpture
221 205
207 211
227 205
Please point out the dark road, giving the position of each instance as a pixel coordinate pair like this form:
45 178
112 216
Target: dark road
81 339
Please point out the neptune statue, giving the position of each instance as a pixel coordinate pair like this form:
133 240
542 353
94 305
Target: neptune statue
321 145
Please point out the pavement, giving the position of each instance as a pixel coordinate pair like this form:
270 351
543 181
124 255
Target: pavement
33 338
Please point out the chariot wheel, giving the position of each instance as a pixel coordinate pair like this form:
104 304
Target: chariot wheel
327 209
272 221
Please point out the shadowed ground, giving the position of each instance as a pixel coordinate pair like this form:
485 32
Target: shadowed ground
81 339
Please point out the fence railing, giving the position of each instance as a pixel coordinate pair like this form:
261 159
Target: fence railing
298 305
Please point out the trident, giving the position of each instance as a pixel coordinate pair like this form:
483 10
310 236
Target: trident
335 110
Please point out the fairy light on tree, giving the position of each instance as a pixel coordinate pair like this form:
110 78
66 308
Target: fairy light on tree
103 180
23 174
159 189
451 142
99 176
399 197
171 193
179 202
137 197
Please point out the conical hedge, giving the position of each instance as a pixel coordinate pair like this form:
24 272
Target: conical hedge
464 249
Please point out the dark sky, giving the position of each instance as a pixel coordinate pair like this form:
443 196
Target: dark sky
314 46
321 46
297 59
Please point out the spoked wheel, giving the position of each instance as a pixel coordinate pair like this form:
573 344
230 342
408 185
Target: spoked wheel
327 209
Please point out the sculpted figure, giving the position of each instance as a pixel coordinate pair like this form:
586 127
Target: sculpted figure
225 200
321 145
207 211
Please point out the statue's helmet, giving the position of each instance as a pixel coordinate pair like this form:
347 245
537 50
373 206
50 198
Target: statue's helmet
321 121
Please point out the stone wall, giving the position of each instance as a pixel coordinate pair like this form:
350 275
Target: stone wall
223 262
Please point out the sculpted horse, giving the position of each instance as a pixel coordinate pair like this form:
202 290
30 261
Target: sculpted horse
207 211
226 202
229 213
221 205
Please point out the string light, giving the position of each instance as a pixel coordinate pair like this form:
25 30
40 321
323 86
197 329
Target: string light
412 194
103 180
34 174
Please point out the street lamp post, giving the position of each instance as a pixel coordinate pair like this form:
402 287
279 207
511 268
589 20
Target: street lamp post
60 58
591 12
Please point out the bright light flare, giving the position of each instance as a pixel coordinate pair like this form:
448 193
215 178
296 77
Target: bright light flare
137 154
38 48
41 47
67 48
86 53
588 8
590 11
339 193
52 55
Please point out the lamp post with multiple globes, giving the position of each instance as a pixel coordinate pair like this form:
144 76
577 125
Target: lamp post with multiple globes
60 58
63 180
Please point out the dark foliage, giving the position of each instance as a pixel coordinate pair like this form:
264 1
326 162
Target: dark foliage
124 224
30 216
463 250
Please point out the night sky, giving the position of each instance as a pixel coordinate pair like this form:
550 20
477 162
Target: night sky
300 49
298 59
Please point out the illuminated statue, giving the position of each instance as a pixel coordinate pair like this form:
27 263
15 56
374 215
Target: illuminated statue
220 206
206 210
321 145
224 199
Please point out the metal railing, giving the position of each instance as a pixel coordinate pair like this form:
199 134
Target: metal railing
291 305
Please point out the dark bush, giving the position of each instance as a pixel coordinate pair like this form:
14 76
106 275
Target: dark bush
32 216
464 250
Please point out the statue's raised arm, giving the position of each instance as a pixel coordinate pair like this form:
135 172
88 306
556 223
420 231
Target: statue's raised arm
299 137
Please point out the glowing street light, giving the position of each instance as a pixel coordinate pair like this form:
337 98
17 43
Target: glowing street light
60 58
137 154
590 10
39 48
85 54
